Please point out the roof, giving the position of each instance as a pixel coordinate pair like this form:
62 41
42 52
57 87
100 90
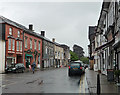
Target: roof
8 21
5 20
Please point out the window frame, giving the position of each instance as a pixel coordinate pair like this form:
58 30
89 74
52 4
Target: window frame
13 45
30 43
19 34
21 46
39 45
26 42
9 44
17 45
10 31
35 44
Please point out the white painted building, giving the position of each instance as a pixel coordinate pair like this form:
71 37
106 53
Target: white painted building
2 56
2 51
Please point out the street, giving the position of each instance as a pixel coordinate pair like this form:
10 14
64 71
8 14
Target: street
47 81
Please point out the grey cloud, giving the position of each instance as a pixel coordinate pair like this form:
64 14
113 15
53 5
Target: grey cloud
67 22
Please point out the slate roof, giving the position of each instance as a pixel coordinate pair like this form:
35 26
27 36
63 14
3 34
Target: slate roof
8 21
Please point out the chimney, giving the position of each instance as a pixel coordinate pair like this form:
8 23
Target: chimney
53 40
30 27
43 33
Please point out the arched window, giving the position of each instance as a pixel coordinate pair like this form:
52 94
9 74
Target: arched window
10 31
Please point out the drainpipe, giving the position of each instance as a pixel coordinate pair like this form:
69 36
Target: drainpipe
23 47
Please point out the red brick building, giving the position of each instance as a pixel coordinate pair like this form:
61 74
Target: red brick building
22 45
32 47
13 41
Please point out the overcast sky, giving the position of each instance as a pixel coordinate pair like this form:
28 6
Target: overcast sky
67 22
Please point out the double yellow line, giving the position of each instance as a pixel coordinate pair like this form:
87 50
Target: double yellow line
82 84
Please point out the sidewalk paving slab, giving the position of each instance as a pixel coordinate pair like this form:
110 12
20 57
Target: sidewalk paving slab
106 87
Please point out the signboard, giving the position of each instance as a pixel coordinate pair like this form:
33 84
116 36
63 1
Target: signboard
110 74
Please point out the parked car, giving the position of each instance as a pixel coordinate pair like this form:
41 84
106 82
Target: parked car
15 68
76 68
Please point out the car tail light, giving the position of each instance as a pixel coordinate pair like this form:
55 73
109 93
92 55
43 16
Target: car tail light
69 67
80 67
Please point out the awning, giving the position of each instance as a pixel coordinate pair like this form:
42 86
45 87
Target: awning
105 45
28 55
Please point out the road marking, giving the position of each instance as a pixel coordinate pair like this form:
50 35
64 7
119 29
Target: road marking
82 85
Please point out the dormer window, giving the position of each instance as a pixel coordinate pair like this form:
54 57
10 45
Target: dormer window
10 31
18 33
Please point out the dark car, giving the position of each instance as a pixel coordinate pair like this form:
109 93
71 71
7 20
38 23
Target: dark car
15 68
76 68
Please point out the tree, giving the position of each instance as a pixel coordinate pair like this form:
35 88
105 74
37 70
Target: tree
85 60
73 56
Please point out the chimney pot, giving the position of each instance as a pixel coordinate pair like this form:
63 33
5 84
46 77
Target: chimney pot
43 33
53 40
30 27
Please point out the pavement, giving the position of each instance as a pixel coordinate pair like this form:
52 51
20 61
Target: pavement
106 87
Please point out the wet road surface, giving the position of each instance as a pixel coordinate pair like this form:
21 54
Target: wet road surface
47 81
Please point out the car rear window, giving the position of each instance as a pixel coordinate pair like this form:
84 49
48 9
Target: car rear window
75 64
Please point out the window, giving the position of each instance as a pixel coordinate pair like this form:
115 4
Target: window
56 53
46 50
30 43
9 44
25 42
39 45
35 44
17 45
18 33
10 31
20 46
13 47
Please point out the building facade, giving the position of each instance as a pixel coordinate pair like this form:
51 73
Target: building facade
106 38
13 42
2 48
66 54
91 46
32 47
48 52
58 55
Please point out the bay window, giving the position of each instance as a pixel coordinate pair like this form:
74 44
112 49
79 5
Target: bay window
17 45
13 47
9 44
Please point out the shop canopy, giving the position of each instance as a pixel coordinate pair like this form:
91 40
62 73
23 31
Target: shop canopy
28 55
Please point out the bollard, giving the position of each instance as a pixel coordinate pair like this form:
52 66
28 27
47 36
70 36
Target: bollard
98 84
